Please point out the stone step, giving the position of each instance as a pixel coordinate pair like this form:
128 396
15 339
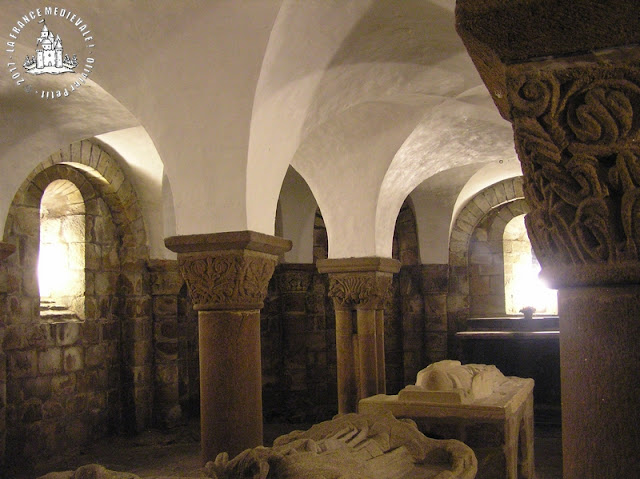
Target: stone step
51 311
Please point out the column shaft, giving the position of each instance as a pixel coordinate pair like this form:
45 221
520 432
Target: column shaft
367 353
347 389
382 376
230 382
600 360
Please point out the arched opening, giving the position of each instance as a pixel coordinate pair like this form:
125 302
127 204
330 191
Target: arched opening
523 289
61 260
78 212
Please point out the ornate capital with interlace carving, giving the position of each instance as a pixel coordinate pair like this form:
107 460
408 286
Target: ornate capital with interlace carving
577 133
227 270
231 280
359 282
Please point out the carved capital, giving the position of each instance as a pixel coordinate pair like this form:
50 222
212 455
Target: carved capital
235 280
359 282
577 133
295 278
227 270
366 290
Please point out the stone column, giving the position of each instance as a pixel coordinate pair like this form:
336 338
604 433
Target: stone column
6 249
346 360
576 121
227 275
576 130
359 288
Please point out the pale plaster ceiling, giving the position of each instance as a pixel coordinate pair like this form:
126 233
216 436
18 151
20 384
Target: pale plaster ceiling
366 99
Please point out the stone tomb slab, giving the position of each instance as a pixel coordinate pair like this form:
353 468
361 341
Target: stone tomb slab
499 428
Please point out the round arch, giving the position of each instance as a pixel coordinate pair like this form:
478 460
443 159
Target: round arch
496 205
101 356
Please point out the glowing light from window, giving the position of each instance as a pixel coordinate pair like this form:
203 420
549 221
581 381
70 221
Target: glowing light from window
53 270
523 287
529 290
61 259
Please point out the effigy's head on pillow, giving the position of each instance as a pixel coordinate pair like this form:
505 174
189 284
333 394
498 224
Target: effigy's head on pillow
450 379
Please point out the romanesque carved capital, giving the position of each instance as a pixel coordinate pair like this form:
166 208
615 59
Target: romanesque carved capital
359 282
231 280
577 133
365 290
227 270
294 278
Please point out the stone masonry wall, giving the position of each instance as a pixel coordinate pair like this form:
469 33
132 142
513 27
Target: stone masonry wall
188 356
486 268
487 260
465 242
175 340
298 347
72 379
166 283
3 358
435 285
62 375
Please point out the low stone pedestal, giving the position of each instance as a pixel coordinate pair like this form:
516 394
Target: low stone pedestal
499 428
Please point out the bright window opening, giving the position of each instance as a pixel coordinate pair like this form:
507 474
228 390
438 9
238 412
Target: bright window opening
61 259
522 286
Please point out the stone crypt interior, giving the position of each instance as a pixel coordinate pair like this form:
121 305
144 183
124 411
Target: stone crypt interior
255 214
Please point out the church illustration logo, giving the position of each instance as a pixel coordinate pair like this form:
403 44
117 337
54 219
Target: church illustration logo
70 64
48 57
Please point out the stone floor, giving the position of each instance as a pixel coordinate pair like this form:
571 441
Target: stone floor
175 454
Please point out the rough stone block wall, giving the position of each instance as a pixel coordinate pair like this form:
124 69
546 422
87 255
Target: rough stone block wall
176 388
3 363
487 260
62 374
411 328
298 347
71 379
435 287
486 273
166 284
394 339
188 356
405 237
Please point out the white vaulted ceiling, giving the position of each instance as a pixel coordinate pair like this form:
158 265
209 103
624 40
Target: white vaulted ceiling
210 102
